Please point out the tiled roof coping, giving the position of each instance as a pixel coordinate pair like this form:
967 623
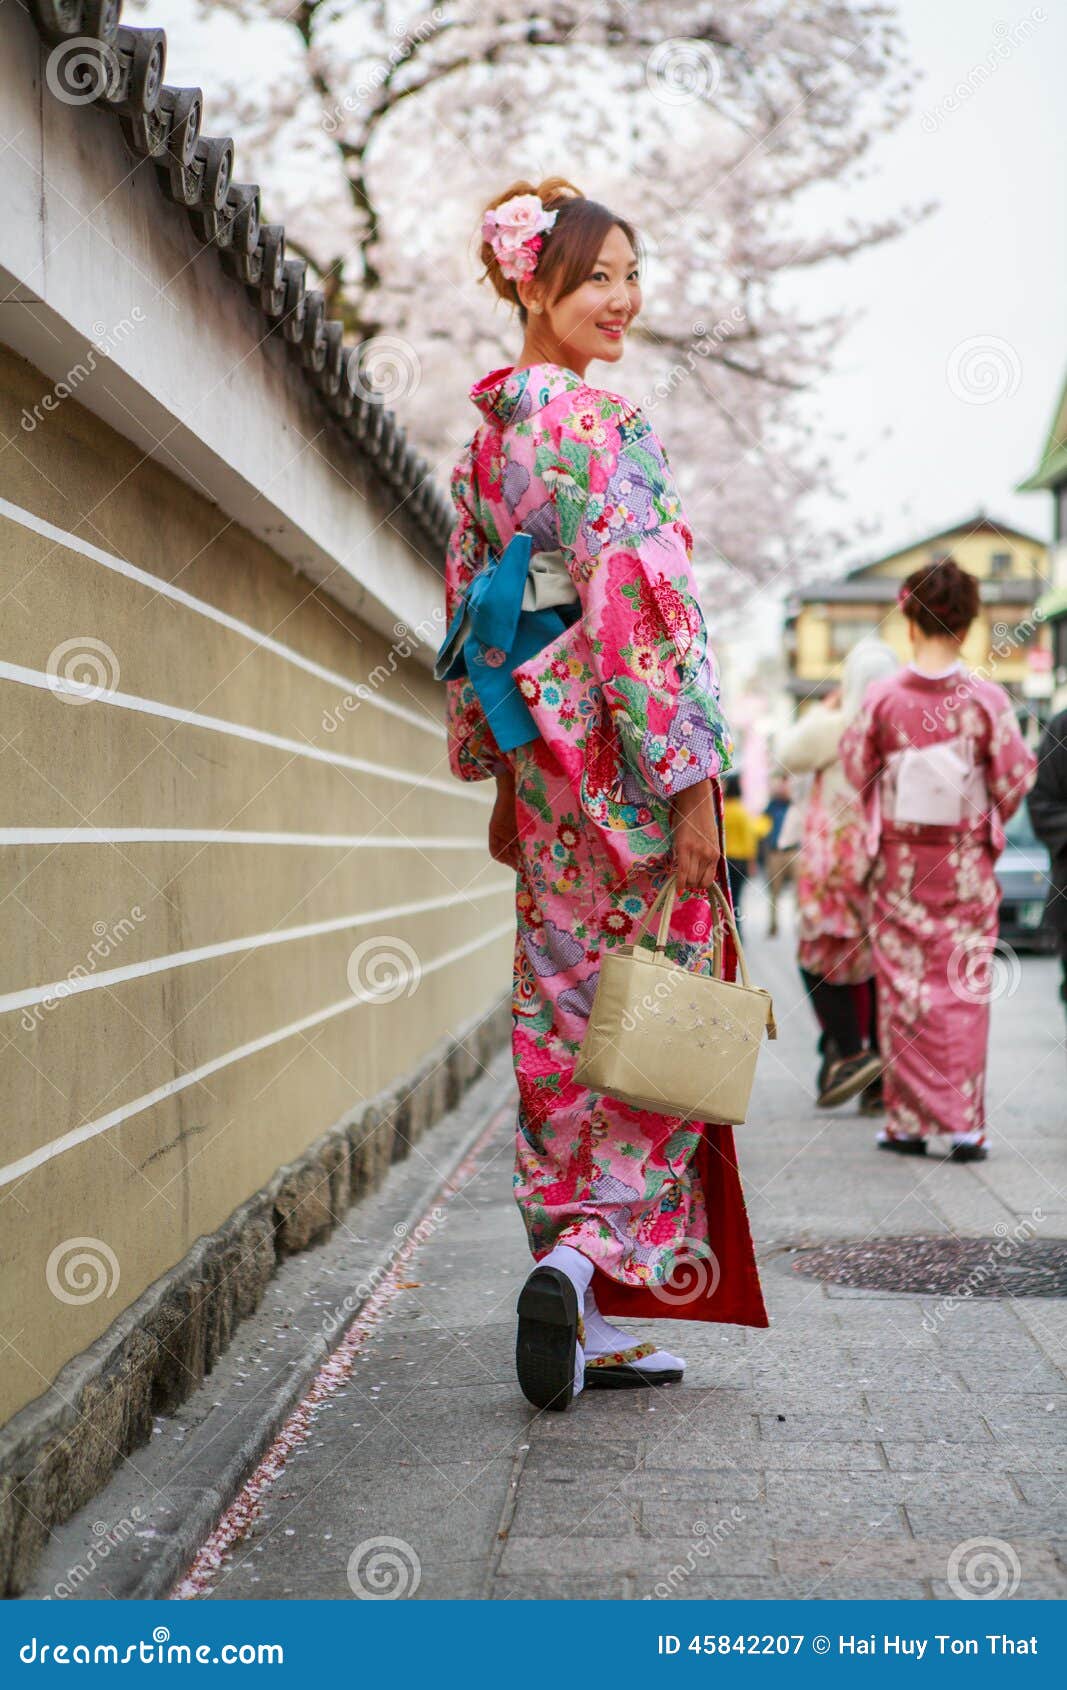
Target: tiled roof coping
196 172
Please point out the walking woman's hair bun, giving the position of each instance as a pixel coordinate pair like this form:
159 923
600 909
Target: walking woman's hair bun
941 598
567 251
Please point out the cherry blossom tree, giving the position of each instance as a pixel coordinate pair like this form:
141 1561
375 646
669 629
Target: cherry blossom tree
731 135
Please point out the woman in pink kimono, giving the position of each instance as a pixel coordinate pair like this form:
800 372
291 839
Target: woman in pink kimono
938 757
611 786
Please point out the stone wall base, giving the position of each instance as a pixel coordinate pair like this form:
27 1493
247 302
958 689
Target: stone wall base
58 1451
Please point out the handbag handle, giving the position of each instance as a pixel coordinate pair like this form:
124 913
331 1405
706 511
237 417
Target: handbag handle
666 897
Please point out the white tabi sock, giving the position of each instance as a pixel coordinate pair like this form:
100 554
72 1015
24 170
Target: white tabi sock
578 1268
602 1338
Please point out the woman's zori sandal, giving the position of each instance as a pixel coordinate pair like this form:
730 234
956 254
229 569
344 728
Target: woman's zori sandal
562 1345
548 1351
620 1370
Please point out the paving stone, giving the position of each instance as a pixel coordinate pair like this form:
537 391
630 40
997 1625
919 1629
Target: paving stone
887 1558
794 1488
1009 1520
705 1586
763 1521
946 1457
716 1488
647 1560
954 1427
547 1515
1044 1489
550 1587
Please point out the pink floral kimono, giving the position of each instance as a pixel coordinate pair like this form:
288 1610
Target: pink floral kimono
934 896
625 701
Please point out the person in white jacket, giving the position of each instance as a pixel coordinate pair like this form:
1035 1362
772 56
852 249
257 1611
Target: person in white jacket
833 915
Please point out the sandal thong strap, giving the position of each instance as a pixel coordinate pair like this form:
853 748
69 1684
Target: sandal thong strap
619 1358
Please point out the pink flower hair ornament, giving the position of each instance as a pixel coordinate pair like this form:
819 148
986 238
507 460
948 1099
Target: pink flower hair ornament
903 596
514 231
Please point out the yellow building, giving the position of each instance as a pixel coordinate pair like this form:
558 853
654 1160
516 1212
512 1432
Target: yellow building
1007 643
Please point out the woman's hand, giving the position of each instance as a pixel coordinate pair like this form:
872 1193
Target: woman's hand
503 827
695 834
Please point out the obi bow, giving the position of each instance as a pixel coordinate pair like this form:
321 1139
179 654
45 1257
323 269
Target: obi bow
490 635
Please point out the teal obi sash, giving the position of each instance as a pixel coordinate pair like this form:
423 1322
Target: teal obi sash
490 635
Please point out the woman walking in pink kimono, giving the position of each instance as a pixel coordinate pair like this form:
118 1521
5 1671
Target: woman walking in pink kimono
606 761
941 765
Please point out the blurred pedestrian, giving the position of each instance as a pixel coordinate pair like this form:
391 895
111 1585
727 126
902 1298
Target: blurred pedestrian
742 834
777 859
1048 813
938 757
833 907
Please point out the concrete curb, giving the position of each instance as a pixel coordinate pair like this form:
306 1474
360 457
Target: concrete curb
141 1532
58 1452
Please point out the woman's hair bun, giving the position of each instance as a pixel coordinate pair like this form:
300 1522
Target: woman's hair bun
553 193
941 598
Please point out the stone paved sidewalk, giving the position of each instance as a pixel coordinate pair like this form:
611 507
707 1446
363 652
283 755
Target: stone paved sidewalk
848 1451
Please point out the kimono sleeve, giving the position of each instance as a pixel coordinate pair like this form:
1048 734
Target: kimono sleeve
473 753
811 743
628 549
860 749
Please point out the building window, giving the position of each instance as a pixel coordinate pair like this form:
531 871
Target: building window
1059 495
844 635
1000 564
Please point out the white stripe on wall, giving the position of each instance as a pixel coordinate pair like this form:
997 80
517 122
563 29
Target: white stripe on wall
234 836
235 730
69 987
108 560
90 1129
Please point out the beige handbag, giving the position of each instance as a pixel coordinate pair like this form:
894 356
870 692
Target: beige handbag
662 1038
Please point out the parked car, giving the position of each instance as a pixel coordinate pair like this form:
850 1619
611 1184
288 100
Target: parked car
1023 874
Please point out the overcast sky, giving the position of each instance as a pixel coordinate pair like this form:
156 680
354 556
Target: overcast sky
947 385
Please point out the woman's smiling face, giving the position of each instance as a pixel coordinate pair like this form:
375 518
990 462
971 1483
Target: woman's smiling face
592 321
